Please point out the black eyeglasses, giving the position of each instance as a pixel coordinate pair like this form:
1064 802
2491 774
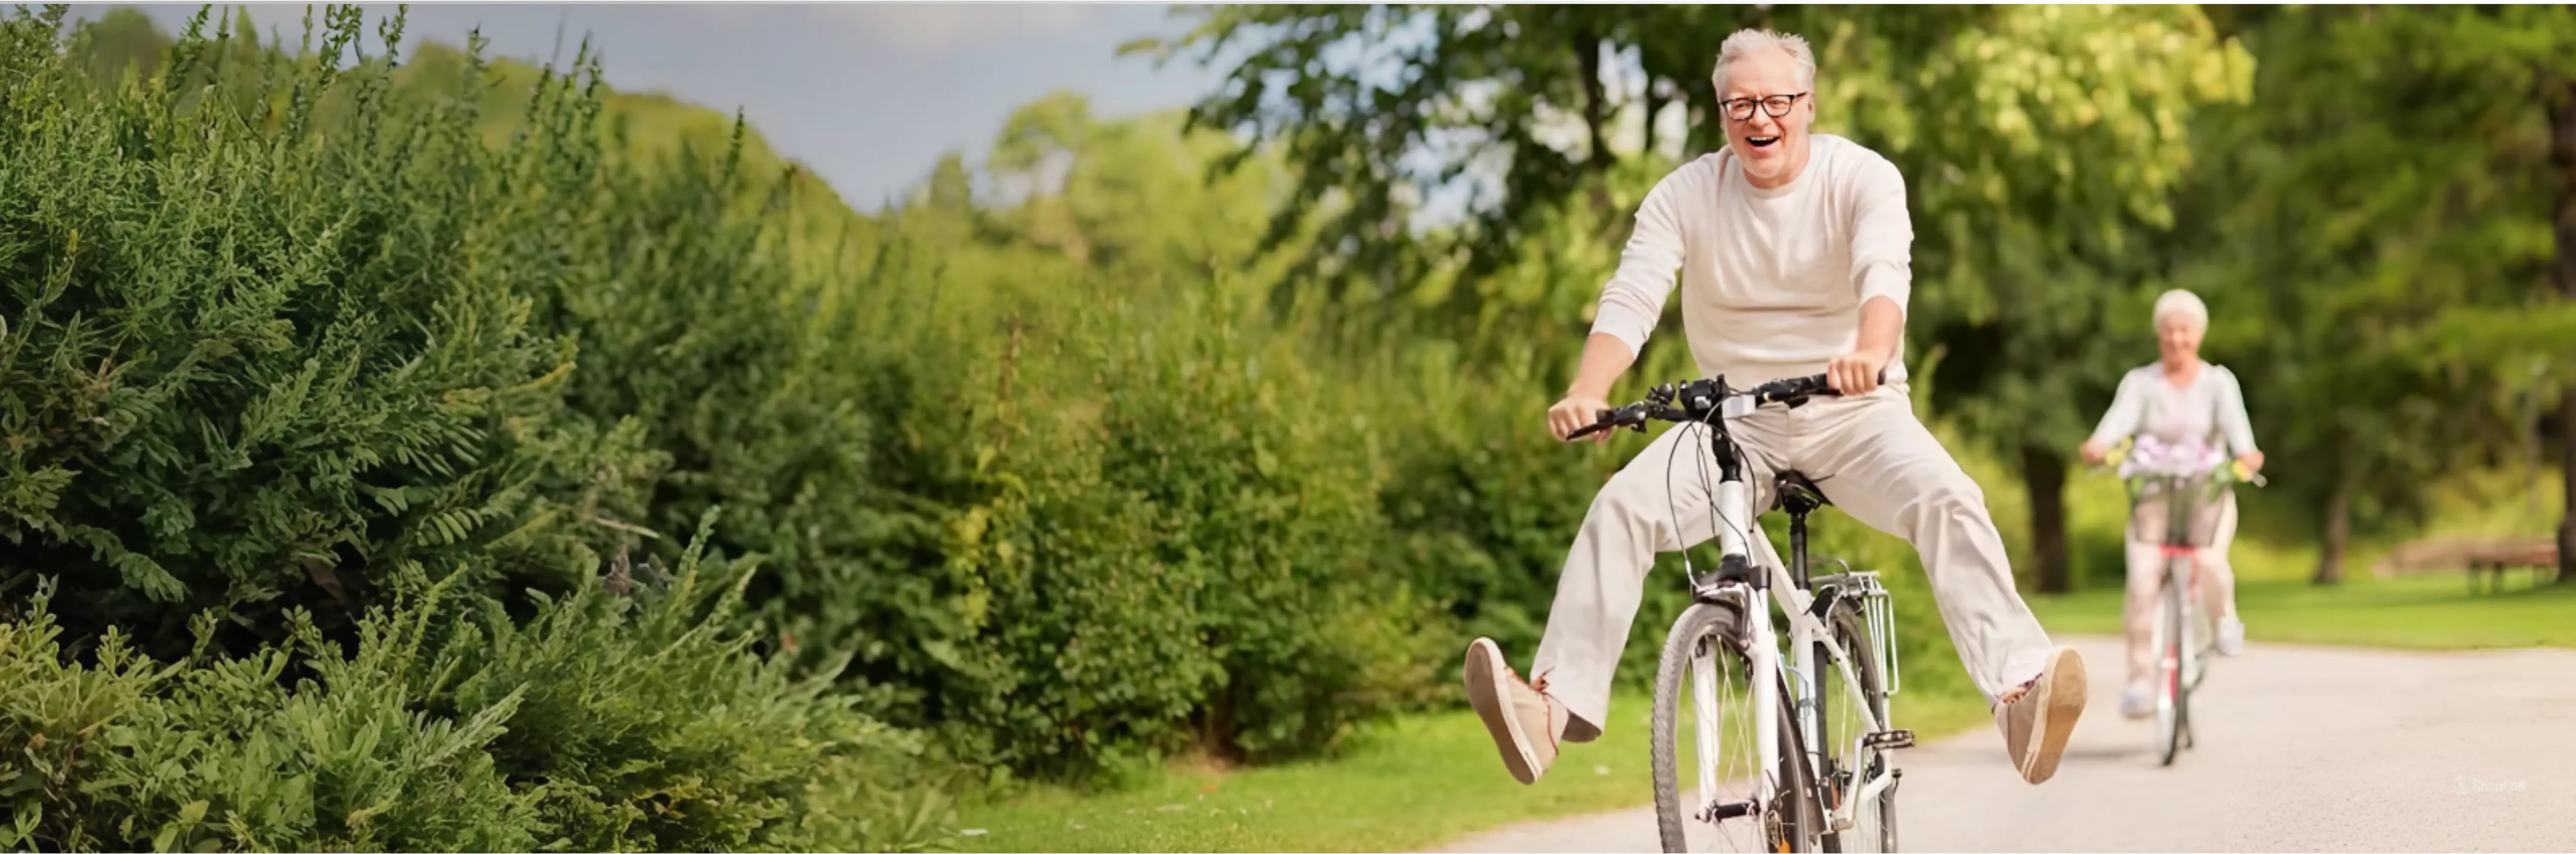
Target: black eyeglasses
1741 109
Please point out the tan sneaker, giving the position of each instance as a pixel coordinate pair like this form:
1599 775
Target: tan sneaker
1523 719
2037 720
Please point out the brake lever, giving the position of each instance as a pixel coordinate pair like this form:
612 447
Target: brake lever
1611 419
1589 429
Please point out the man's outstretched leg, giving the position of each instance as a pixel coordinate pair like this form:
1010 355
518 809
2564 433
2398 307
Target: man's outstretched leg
1634 517
1878 463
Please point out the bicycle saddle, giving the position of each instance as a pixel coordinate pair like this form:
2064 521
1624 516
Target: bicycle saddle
1797 494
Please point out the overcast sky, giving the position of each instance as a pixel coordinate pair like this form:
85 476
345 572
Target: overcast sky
870 95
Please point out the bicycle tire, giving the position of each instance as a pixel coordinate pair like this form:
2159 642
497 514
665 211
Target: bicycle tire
2170 719
1853 635
2193 654
1724 622
2204 639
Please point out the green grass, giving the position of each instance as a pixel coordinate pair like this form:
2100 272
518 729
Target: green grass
1409 784
2434 612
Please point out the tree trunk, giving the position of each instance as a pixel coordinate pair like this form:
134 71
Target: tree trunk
2567 460
1596 116
2044 477
1654 107
2338 536
2562 153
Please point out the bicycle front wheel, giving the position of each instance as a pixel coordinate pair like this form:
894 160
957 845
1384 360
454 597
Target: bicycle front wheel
2173 700
1703 722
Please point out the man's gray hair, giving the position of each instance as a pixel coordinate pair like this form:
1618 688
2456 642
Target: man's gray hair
1746 42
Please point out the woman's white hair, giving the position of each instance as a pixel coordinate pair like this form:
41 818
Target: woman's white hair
1746 42
2183 303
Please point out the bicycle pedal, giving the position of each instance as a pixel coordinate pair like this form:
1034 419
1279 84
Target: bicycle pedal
1894 739
1721 812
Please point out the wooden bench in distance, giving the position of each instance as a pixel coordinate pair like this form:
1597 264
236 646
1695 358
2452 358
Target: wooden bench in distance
2491 557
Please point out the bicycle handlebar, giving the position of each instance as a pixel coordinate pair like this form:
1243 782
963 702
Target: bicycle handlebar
2235 468
1701 400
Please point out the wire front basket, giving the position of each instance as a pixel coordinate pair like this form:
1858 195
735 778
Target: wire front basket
2159 504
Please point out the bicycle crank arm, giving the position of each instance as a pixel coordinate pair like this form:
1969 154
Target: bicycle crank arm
1844 818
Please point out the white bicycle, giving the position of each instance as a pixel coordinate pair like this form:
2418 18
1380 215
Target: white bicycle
1820 779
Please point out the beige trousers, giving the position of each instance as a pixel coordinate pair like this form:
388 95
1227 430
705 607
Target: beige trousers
2147 581
1871 457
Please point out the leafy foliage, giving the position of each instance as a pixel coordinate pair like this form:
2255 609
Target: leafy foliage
259 366
603 723
285 353
2376 249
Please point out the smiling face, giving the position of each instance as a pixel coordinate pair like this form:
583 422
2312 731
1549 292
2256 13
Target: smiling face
2178 338
1772 148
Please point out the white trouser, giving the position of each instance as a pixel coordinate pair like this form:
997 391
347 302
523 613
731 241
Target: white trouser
2147 580
1870 456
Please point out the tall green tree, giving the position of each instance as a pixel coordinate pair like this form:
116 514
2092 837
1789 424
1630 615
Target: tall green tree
2376 247
2041 148
1131 193
121 42
2528 53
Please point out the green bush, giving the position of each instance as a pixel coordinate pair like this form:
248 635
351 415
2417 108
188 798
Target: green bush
1067 533
1484 503
1194 555
255 366
605 723
283 351
127 755
781 399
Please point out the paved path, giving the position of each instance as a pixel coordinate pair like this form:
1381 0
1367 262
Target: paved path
2299 749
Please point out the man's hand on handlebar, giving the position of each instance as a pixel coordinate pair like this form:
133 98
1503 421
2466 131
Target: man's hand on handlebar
1856 372
1576 412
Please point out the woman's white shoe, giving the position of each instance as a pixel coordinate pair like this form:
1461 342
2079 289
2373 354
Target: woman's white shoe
2231 636
2138 700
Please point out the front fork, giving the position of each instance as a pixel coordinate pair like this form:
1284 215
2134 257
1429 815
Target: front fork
1762 646
1734 506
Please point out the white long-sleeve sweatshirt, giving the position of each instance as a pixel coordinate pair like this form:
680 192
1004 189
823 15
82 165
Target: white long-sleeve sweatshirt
1772 280
2210 410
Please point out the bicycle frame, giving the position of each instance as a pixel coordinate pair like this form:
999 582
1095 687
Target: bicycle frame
1790 594
2184 495
1745 583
